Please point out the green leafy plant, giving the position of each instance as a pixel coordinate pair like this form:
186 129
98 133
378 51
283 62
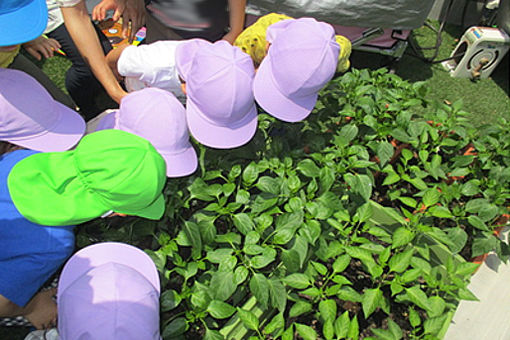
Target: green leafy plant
353 224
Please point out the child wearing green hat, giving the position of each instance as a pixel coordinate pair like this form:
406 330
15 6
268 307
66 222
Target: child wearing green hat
42 197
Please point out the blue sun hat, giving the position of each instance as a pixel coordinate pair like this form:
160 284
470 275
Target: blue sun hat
22 20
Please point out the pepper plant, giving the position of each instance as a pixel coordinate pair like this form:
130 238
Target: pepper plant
357 223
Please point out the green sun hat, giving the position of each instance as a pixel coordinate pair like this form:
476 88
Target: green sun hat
110 170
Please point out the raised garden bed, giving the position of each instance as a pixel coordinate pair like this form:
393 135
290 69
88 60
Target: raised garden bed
356 223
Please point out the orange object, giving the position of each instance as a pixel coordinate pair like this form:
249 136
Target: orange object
113 31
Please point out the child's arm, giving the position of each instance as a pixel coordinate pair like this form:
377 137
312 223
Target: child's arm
41 310
236 14
112 59
152 64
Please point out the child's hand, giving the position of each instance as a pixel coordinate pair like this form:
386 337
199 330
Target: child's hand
41 47
41 311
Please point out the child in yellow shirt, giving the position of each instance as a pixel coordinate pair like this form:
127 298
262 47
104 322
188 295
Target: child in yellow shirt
253 41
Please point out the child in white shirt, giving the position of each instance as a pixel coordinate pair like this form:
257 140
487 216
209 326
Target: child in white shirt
213 79
152 65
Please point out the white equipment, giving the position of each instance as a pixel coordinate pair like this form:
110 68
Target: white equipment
483 48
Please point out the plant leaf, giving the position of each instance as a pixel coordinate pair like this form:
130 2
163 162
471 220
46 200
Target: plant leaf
437 306
418 297
308 168
431 197
243 223
277 294
248 319
297 280
306 332
458 237
220 310
169 300
250 174
384 152
212 335
399 262
277 322
353 331
176 327
222 285
259 287
341 263
327 310
402 236
371 300
342 325
299 307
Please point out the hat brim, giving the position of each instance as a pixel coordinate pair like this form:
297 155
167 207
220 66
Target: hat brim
177 165
103 253
14 26
66 133
153 211
269 97
103 121
66 200
182 164
221 137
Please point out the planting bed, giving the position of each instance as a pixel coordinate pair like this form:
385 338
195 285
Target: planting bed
353 224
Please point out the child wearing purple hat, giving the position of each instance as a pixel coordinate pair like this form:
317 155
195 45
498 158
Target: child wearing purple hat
30 118
253 41
108 291
215 80
303 57
159 117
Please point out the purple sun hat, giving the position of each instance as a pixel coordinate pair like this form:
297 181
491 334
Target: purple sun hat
109 291
220 107
158 116
31 118
302 58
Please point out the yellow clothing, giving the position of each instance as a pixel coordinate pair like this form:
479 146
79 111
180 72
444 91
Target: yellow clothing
6 58
253 41
345 53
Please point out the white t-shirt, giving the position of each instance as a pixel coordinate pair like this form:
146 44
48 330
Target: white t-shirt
55 18
68 3
151 65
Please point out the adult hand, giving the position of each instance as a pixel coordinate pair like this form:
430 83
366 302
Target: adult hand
41 47
131 11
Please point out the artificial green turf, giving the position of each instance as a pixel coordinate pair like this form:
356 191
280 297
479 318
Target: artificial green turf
485 99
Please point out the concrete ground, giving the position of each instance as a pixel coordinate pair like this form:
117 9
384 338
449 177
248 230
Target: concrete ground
489 318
